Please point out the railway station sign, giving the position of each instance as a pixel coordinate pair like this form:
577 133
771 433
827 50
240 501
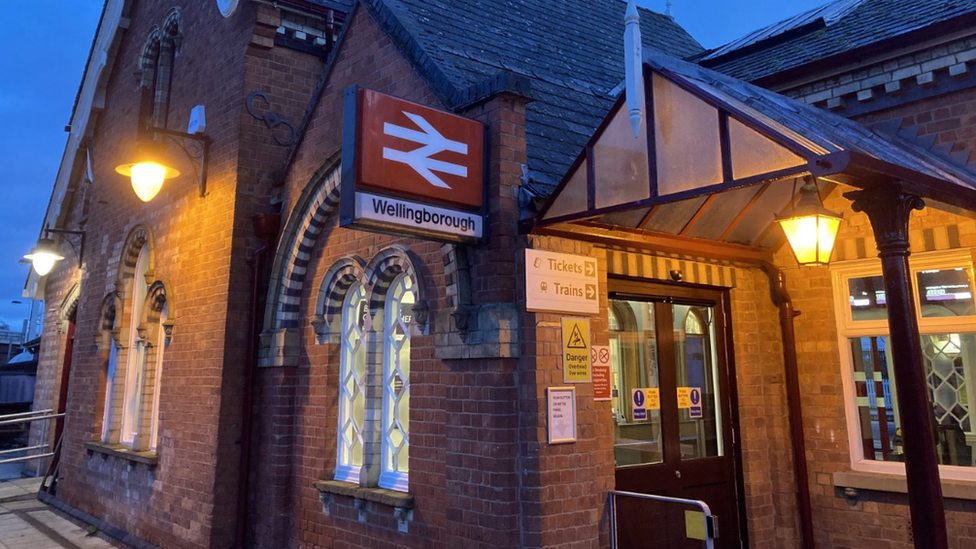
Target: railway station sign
411 170
560 282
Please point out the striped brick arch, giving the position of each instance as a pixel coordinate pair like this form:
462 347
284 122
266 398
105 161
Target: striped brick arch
147 58
111 305
384 268
340 277
68 307
315 206
139 236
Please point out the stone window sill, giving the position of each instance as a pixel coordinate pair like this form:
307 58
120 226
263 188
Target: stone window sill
880 482
392 498
123 452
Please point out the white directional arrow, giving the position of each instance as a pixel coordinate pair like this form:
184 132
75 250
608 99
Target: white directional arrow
432 142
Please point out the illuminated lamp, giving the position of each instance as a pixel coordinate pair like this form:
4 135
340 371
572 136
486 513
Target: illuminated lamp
148 171
44 256
810 228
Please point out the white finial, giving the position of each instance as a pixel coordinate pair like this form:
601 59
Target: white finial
634 66
669 10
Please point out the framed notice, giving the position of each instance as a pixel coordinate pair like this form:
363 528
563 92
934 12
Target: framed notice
562 414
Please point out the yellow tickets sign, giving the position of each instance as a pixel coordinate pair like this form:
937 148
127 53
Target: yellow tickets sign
576 350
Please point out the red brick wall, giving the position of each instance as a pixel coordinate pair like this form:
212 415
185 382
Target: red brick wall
188 500
878 519
763 415
463 450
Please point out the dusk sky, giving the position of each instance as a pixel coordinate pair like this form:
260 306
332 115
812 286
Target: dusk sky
47 44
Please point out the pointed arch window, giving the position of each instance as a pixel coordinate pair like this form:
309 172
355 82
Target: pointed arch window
159 348
136 359
395 443
110 347
352 385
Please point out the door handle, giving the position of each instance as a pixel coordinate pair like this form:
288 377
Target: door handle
677 473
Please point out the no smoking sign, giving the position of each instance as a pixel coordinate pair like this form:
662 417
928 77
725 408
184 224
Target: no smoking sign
600 366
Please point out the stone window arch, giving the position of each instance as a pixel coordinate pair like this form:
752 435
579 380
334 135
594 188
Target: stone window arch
155 69
144 327
372 311
107 341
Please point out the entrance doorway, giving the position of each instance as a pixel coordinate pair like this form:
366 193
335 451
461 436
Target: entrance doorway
673 412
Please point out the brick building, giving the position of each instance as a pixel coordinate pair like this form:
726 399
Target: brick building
240 370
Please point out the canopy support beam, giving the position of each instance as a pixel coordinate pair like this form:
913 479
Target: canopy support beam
657 242
889 208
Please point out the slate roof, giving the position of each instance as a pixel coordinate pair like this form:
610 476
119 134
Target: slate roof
570 53
342 5
823 33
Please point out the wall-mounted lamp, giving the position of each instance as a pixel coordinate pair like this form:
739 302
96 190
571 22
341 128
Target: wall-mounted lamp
810 228
45 254
150 166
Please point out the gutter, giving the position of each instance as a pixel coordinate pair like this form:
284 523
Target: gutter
783 300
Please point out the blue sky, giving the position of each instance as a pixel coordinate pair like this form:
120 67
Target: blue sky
49 42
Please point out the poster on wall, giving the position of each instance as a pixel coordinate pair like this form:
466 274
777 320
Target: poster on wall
562 414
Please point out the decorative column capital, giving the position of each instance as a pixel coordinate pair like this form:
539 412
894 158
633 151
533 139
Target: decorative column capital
889 210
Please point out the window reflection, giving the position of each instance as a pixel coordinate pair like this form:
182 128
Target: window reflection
633 363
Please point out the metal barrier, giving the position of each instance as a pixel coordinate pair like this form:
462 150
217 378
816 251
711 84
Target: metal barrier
711 523
30 417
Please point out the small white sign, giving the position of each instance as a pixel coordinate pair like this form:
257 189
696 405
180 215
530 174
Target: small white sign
562 414
388 211
561 283
198 120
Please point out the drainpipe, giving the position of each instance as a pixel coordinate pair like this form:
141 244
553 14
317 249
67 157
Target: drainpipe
266 228
781 296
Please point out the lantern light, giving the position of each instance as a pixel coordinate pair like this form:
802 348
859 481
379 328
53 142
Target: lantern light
149 170
810 228
44 256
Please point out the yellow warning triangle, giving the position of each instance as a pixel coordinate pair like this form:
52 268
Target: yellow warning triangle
576 339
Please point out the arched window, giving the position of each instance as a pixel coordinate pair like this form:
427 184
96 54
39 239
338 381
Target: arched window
110 350
156 69
352 385
395 442
160 347
136 359
135 351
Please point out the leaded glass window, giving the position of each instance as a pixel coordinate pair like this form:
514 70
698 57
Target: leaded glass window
396 384
352 385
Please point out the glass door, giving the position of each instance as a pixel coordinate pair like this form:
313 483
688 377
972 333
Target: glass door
672 412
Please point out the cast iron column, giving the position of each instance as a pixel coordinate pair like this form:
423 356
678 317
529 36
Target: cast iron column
889 210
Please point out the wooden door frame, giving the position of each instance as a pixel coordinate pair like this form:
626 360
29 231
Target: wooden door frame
624 287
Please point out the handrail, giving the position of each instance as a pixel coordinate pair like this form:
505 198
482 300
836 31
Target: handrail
25 414
29 417
711 531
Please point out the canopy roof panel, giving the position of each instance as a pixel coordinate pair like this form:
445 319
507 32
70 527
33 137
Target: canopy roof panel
717 148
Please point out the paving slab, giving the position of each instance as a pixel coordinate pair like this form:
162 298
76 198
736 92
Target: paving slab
26 523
